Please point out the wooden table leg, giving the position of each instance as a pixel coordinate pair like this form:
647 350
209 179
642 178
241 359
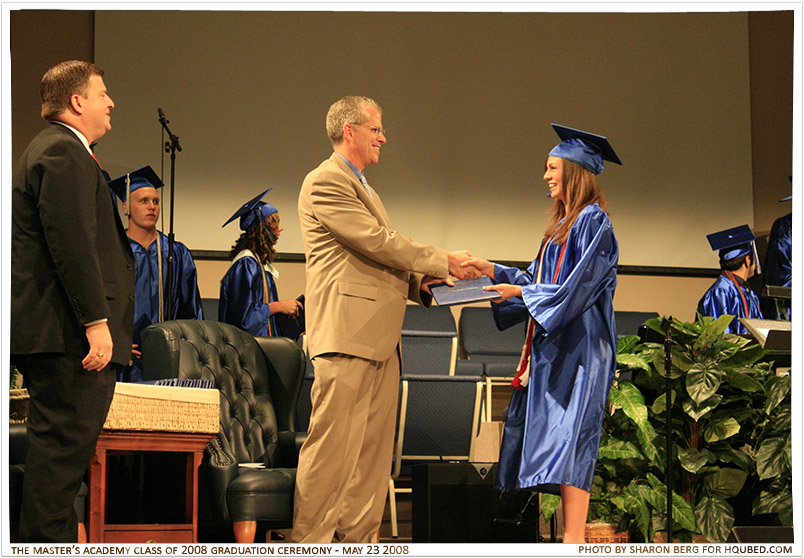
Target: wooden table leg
97 495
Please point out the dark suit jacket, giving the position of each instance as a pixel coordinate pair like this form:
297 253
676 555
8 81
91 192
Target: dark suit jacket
71 262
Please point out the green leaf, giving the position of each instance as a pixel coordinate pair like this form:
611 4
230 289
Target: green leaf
726 482
773 457
641 509
712 331
715 517
750 353
627 344
683 513
549 505
781 420
619 449
703 380
738 379
695 411
660 403
679 363
628 397
776 498
633 362
777 387
692 459
738 457
646 439
720 429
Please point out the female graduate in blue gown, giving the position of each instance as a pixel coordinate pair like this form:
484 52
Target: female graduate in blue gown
248 296
552 431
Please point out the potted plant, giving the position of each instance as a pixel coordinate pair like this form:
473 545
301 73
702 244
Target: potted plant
730 422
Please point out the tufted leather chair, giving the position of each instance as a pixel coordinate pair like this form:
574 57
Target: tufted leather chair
17 452
259 381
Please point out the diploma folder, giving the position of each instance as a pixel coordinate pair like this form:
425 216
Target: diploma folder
465 291
290 326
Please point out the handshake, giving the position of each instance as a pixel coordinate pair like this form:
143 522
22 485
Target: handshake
462 265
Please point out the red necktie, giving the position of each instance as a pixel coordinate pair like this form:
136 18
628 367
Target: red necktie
96 159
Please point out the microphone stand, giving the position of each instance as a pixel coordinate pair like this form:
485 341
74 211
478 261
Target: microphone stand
668 343
171 146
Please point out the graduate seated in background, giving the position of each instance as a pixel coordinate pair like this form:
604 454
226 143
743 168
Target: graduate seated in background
778 268
730 293
141 187
248 296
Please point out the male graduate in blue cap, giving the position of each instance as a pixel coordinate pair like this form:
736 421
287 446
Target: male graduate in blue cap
778 268
139 191
249 297
730 293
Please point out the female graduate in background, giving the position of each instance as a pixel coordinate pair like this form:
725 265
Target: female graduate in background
552 431
248 296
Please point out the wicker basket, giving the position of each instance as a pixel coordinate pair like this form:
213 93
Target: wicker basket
18 405
604 533
164 408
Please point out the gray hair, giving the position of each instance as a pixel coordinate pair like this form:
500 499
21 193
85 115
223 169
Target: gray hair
348 110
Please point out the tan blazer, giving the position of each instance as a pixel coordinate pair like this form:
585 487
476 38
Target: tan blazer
360 272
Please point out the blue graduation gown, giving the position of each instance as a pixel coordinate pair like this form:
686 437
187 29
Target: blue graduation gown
723 297
185 298
552 432
778 268
242 299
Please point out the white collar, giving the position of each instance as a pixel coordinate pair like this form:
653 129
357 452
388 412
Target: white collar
266 266
81 136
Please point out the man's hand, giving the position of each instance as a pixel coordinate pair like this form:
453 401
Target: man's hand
483 267
454 261
506 291
100 347
135 350
428 280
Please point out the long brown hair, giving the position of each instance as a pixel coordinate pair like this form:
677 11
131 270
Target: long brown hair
580 189
257 240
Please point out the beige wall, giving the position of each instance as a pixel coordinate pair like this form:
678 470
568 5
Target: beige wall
71 35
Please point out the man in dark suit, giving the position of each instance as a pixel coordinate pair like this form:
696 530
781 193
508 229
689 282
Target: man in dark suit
72 295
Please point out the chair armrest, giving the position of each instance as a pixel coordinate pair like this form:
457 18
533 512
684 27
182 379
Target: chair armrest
17 443
289 445
219 469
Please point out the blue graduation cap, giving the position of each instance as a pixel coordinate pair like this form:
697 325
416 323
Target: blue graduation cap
734 243
123 185
253 212
584 148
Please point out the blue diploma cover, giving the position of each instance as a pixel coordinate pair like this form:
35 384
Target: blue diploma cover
464 292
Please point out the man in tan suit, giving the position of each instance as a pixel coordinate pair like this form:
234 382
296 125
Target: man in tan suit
360 274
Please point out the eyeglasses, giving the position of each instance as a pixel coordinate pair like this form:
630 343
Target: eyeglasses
377 131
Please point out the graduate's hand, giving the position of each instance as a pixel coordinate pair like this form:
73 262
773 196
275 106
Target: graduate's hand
100 347
506 291
428 280
135 350
291 307
454 261
483 267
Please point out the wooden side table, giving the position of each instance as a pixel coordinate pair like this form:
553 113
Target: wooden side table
119 441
